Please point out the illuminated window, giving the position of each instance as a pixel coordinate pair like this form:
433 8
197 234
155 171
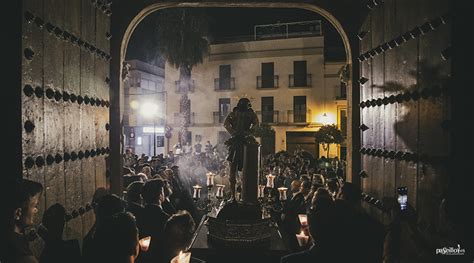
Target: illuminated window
139 140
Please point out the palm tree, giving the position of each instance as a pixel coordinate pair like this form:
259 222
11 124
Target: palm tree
327 135
182 41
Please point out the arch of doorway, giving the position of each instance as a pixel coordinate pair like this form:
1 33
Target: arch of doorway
129 15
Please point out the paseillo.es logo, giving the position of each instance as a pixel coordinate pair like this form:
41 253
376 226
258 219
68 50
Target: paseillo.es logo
451 251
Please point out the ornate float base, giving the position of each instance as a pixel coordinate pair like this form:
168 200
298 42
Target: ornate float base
239 225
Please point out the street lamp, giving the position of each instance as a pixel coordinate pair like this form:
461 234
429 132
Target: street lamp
325 119
150 110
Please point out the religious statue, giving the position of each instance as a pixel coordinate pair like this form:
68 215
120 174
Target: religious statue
239 123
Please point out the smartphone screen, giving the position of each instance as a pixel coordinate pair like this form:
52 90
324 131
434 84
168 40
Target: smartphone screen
402 197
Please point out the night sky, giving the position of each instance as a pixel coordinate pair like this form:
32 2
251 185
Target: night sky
232 22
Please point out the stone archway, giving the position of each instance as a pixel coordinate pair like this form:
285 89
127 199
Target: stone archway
132 14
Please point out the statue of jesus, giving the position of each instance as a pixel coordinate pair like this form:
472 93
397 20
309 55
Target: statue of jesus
239 123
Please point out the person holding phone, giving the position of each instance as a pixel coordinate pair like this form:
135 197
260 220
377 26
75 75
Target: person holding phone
402 197
404 242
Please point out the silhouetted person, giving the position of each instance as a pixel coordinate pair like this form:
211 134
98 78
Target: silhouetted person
364 234
134 201
154 218
198 148
22 209
208 149
333 186
107 206
322 199
178 232
57 249
117 239
305 187
128 179
294 206
167 205
323 224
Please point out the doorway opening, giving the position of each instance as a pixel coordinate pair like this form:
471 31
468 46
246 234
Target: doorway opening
267 82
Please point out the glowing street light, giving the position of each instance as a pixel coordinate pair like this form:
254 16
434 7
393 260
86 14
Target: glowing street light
150 110
134 104
325 119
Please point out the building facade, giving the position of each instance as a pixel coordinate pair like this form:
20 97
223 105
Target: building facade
289 83
144 107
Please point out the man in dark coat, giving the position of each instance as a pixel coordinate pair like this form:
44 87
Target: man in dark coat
294 206
154 217
134 202
57 249
324 229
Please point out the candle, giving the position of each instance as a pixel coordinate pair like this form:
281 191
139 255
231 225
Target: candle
270 179
145 243
282 191
237 196
261 191
303 219
302 238
182 257
197 192
220 190
210 179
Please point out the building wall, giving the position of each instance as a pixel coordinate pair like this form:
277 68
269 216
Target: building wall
245 59
415 75
145 84
65 140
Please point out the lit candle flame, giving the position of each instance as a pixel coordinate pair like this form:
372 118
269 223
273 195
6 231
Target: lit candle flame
302 238
220 190
270 179
210 179
145 243
282 191
197 191
182 257
303 219
261 191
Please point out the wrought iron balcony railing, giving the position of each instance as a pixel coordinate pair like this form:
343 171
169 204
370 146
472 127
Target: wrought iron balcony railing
267 82
219 117
299 81
271 117
224 84
299 117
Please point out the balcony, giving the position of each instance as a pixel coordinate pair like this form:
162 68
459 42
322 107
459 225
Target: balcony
299 117
270 117
224 84
288 30
178 118
268 82
180 86
219 117
300 81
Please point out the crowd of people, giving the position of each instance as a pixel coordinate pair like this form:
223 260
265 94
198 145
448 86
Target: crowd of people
158 203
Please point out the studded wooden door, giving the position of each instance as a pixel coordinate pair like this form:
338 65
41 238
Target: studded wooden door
65 103
405 69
